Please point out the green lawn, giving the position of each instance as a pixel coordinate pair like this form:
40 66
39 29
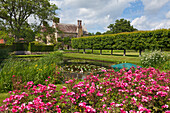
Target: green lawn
28 56
115 58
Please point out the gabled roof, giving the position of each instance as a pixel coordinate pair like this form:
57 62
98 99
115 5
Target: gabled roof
66 28
70 28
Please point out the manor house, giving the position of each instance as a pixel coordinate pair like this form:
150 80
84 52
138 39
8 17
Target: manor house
66 30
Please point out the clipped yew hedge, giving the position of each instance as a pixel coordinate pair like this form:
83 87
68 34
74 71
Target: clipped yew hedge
33 47
139 40
20 46
40 48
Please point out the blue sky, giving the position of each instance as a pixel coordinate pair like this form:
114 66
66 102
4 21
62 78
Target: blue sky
98 14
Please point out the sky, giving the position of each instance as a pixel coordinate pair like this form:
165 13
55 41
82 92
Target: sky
98 14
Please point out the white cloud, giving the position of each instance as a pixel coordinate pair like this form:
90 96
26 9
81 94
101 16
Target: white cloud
152 6
145 23
154 17
168 15
57 3
94 13
98 14
163 24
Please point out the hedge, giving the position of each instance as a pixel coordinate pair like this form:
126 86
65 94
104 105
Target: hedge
21 46
139 40
9 47
40 48
28 47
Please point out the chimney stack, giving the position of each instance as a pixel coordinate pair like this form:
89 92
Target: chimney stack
79 27
79 22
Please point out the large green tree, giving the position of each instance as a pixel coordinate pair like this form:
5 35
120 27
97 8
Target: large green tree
121 25
14 15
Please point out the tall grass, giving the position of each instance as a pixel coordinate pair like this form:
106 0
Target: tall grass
36 70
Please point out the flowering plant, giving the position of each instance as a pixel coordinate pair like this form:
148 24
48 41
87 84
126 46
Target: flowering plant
140 90
153 59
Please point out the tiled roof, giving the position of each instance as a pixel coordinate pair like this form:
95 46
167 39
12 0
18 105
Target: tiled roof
67 28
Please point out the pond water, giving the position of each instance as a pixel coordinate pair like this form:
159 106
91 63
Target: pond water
79 68
105 64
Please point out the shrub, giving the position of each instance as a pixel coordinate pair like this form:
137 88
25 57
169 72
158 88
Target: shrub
4 53
29 69
135 91
40 48
21 46
154 59
58 46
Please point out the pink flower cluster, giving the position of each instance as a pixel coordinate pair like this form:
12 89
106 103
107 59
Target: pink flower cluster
134 91
138 89
38 99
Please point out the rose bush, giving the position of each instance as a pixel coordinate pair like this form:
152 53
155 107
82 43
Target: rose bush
137 90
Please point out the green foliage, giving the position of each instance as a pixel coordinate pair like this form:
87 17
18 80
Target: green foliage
59 39
4 35
21 46
58 46
14 15
98 33
67 41
121 25
154 59
56 19
138 40
4 53
40 48
166 66
91 34
28 34
36 70
33 47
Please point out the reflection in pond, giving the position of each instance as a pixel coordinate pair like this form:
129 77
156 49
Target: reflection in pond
79 68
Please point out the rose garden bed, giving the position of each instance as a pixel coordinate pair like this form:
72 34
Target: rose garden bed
137 90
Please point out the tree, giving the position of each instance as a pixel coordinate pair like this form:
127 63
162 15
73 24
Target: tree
67 42
91 34
14 14
121 25
98 33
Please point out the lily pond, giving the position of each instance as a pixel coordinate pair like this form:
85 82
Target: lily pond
79 68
